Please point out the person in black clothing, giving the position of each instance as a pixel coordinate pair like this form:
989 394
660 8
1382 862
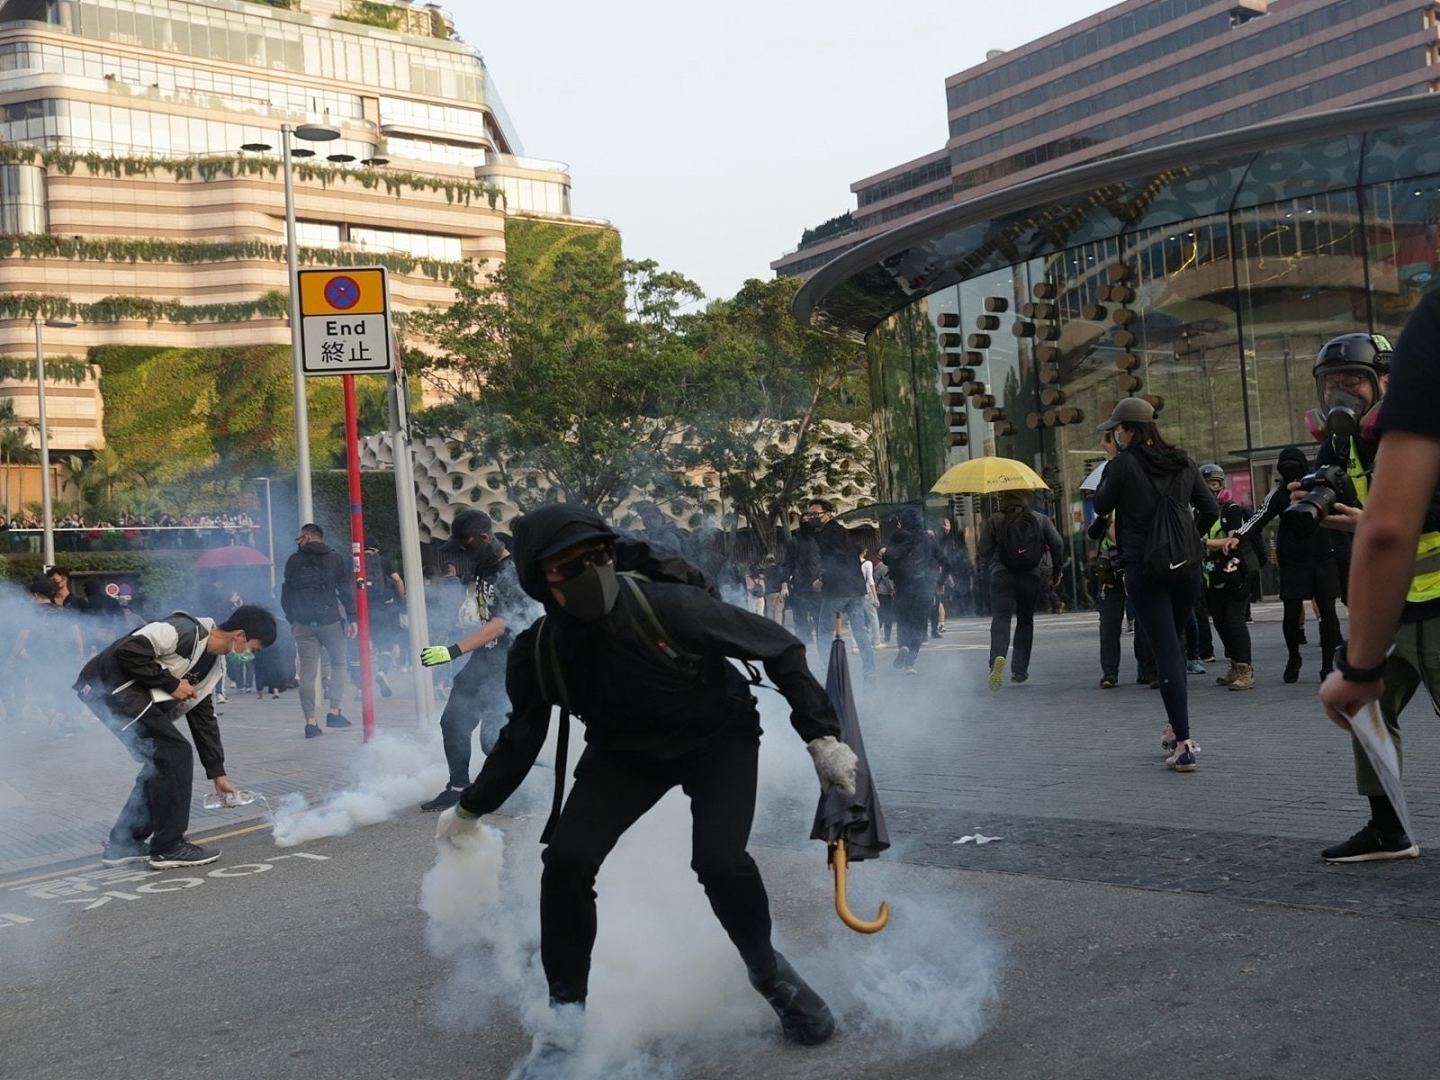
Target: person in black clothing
318 593
914 563
659 713
1308 569
1145 471
1016 542
1227 586
139 687
802 566
841 582
492 602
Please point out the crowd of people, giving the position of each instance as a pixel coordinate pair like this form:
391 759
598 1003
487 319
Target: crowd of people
76 533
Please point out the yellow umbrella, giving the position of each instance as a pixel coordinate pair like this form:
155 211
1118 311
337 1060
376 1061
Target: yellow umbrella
986 475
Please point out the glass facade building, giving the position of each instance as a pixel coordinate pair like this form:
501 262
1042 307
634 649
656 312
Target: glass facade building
1203 275
1145 73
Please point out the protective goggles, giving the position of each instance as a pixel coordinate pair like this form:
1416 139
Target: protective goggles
577 565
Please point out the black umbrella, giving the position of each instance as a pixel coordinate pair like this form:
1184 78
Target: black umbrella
851 825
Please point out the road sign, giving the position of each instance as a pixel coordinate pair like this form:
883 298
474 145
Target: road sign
345 321
112 590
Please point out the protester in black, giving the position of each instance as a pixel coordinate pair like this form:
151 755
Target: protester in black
914 563
802 566
1308 569
1147 472
1016 542
139 687
841 582
1227 587
318 598
644 665
492 601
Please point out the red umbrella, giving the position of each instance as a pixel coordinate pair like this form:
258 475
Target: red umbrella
230 558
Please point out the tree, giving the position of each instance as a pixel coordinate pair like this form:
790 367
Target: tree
15 448
774 379
576 372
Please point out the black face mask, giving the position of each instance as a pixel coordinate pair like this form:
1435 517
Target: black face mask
485 552
591 594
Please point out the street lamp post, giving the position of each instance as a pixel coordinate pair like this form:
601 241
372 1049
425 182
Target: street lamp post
305 502
47 509
269 530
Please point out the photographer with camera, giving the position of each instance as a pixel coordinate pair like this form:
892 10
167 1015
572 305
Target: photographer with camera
1394 596
1304 553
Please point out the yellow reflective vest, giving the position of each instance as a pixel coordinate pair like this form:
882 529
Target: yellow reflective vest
1425 584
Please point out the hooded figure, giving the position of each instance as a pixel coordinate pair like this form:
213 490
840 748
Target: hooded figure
914 561
489 604
645 666
1307 564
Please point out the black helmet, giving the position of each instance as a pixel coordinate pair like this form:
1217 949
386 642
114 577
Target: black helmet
1212 472
1344 366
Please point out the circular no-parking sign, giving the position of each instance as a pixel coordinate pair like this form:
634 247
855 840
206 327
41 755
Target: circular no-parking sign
342 292
112 590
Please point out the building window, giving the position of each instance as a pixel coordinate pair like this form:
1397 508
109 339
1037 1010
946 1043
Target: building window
22 200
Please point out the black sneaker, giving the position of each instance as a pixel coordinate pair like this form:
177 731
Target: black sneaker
1107 683
1016 677
313 731
384 684
119 854
183 854
1292 670
446 799
804 1016
337 719
1370 844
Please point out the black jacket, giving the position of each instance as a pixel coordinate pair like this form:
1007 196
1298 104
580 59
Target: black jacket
914 561
839 561
989 542
318 586
155 658
1131 486
629 699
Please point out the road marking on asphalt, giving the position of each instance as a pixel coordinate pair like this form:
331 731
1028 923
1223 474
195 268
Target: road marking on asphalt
47 875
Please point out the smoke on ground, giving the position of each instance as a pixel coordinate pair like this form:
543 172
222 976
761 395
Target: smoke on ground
667 990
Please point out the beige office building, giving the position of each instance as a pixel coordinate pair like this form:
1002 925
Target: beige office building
128 204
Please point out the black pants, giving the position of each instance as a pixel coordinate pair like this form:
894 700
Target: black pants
158 808
1294 625
1228 607
1112 617
478 693
1162 612
912 609
887 616
1013 593
612 791
1204 641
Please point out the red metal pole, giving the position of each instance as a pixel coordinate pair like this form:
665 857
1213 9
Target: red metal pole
357 550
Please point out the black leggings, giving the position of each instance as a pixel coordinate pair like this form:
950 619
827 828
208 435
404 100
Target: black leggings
1162 612
612 791
478 693
1329 629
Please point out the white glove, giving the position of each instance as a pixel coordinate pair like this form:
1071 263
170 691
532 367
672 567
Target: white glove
835 763
452 827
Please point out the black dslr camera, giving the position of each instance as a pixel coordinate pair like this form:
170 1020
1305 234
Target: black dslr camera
1326 486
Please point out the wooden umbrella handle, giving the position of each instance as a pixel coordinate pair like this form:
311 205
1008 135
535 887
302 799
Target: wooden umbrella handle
839 627
839 860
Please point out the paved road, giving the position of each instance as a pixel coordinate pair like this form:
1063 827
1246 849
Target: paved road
1133 921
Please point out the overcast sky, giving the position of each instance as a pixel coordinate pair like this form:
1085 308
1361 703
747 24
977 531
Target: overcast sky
712 134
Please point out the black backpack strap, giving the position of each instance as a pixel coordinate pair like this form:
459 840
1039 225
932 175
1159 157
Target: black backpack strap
548 672
657 633
562 753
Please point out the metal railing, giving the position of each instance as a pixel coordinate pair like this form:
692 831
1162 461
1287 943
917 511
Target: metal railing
130 538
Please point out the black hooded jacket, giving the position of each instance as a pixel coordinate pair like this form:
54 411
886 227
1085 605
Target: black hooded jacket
913 558
319 586
617 682
1292 547
1131 490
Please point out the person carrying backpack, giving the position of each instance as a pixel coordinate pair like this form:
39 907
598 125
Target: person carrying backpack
318 598
1016 542
1151 487
643 661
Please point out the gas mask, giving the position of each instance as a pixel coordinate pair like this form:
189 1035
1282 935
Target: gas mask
1346 368
589 585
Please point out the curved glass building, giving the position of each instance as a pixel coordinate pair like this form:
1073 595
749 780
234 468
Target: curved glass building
1203 275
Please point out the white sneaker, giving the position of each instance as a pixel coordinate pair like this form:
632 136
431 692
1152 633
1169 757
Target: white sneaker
554 1048
1182 758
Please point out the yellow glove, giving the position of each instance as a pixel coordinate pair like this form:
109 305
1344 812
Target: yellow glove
435 655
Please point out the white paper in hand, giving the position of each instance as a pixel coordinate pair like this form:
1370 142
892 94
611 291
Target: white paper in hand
1374 738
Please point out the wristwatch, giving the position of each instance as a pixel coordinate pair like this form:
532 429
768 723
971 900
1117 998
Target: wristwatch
1354 674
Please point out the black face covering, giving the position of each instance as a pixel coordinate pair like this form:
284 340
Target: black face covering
484 552
591 594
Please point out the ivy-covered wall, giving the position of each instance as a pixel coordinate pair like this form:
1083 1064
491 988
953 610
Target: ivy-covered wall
533 244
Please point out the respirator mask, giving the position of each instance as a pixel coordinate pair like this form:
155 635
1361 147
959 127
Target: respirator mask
587 584
1347 383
